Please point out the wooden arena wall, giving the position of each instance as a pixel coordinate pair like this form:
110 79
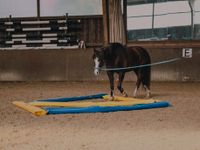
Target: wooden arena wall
77 64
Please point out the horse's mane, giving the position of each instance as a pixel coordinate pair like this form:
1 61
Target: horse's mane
114 49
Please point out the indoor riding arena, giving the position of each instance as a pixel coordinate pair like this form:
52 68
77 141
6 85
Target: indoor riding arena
52 50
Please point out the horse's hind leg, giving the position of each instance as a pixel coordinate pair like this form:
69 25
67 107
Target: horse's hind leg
146 82
138 82
119 86
148 92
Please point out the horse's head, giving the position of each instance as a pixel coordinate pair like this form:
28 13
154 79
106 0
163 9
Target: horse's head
98 58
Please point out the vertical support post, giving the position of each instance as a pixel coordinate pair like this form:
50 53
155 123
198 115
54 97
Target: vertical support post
191 4
125 18
38 15
38 9
105 5
153 18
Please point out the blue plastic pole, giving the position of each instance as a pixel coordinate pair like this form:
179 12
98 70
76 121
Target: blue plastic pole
76 98
104 109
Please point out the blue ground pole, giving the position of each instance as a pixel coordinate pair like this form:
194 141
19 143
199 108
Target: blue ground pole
76 98
104 109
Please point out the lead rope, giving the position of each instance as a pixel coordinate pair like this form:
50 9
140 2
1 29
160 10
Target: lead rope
140 66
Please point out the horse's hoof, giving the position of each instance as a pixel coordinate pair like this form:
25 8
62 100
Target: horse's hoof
148 96
124 94
111 98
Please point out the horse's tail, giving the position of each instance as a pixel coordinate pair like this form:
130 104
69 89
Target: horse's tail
146 71
146 80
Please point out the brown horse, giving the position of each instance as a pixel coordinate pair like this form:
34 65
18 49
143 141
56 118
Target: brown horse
121 59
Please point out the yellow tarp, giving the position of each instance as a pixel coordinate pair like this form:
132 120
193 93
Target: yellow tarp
35 110
120 98
88 104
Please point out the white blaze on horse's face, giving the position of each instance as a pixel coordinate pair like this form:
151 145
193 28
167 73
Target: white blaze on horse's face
96 66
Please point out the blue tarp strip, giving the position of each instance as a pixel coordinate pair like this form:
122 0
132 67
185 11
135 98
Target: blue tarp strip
76 98
103 109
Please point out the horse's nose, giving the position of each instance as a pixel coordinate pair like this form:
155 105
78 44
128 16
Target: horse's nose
96 72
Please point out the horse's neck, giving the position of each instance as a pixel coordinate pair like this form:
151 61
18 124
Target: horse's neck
116 58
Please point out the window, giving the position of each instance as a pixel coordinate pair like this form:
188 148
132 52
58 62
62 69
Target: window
162 20
19 8
139 16
197 20
49 7
72 7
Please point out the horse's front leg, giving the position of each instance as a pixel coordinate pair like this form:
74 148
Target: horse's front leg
119 86
111 79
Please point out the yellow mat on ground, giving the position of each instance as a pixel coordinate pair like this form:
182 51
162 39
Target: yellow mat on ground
88 104
34 110
120 98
